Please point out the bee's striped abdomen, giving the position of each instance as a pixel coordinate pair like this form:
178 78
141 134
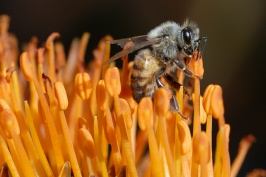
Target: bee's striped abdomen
143 82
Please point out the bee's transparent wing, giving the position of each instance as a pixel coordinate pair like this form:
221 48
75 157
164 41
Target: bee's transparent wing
133 47
135 40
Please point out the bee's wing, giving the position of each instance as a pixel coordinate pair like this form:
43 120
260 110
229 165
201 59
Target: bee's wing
135 40
133 47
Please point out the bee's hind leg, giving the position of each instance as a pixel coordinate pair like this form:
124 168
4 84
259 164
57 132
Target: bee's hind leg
176 85
173 102
175 107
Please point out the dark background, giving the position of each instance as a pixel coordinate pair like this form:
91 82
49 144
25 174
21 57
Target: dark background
234 55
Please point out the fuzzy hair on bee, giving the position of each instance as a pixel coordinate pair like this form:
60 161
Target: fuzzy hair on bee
170 44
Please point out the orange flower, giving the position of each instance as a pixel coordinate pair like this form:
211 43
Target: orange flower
73 115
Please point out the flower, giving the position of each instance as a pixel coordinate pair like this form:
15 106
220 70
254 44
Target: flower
59 117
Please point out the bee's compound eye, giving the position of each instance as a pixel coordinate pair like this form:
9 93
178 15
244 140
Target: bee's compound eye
186 32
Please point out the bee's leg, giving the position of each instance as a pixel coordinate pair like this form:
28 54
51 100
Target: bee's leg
157 77
175 107
173 103
175 84
183 67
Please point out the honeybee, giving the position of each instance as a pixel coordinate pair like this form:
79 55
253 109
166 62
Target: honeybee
169 44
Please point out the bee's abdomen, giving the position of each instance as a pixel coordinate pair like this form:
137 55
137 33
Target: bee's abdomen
143 82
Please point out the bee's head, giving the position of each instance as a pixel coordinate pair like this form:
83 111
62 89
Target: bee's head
188 38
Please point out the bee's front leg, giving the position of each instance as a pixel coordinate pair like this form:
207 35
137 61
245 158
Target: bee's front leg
183 67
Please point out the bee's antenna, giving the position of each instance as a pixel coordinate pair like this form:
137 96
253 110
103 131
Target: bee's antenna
201 47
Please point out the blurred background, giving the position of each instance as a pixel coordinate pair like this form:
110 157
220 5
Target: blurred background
233 58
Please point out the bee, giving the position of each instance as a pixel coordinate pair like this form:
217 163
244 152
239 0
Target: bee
165 49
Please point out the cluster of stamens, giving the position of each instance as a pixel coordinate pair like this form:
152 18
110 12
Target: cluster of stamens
59 117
